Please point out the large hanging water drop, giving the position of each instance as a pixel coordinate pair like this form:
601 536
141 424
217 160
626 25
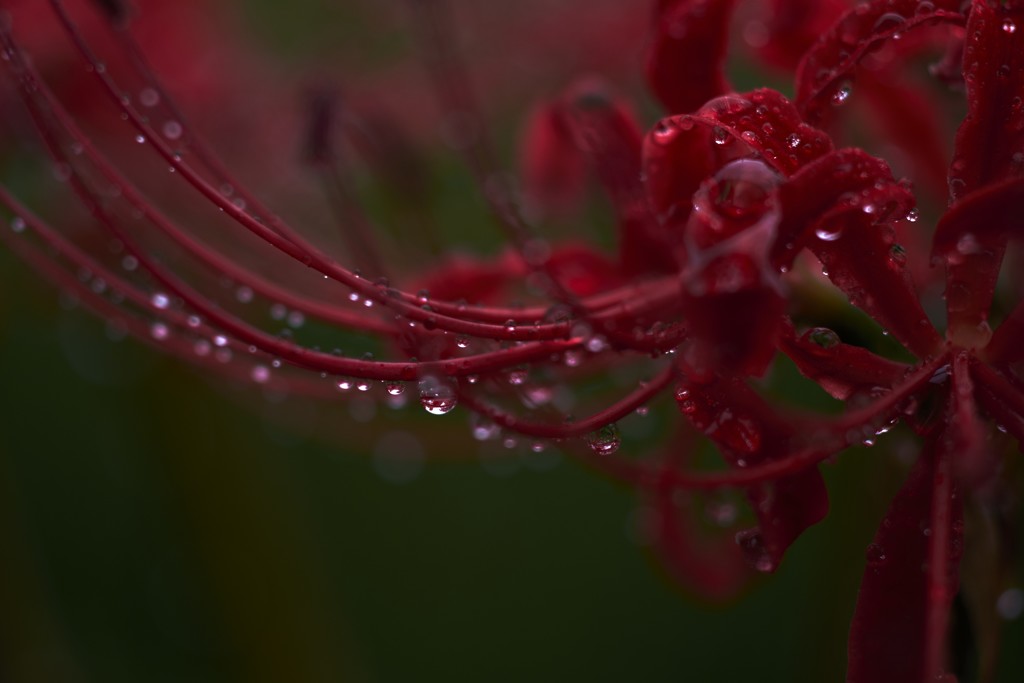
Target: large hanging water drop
437 396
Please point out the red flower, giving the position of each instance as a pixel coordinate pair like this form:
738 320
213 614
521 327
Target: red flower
722 210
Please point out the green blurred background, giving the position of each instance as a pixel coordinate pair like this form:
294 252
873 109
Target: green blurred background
154 527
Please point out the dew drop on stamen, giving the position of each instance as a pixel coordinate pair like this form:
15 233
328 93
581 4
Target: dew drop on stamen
148 97
159 331
260 374
160 301
172 130
437 396
573 358
719 135
605 441
395 388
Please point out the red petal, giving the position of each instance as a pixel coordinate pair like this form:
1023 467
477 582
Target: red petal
731 296
840 369
607 132
910 119
898 632
686 63
681 151
826 71
794 26
839 207
991 137
700 558
583 271
552 168
971 237
748 431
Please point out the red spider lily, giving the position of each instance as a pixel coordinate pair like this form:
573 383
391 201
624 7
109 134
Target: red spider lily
722 209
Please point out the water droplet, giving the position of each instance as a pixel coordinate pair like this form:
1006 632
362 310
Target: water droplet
957 186
721 513
148 97
573 358
605 441
395 388
201 348
220 340
517 377
159 331
792 140
243 294
18 224
751 542
343 384
260 374
296 319
160 300
1009 26
719 135
967 244
1010 604
172 130
829 234
888 22
842 93
437 396
665 131
462 342
912 215
875 555
822 337
744 189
